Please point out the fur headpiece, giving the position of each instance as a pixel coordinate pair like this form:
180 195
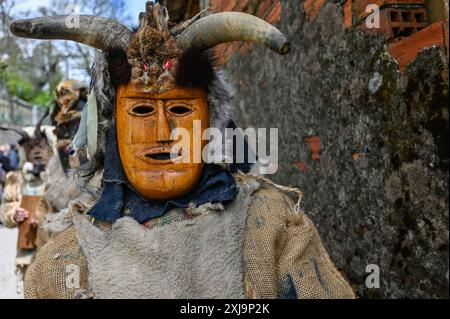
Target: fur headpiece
70 98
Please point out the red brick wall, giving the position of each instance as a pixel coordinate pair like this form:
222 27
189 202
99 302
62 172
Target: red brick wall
269 10
353 15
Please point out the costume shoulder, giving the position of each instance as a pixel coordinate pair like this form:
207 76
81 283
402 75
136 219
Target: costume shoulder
283 254
59 270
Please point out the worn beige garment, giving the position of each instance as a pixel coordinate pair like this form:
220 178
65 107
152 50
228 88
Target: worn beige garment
16 186
12 196
59 189
56 190
282 256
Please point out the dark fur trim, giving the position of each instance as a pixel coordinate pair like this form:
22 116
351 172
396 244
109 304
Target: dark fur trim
119 68
195 69
56 110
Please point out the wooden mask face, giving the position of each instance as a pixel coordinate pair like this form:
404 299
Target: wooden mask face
144 126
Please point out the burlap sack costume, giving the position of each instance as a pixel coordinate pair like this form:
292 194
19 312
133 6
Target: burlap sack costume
282 255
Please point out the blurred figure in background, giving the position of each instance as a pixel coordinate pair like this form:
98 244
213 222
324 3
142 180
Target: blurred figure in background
44 154
70 98
13 156
2 173
36 151
9 161
5 160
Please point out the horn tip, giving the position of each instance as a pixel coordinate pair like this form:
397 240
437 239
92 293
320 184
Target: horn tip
285 49
19 28
13 27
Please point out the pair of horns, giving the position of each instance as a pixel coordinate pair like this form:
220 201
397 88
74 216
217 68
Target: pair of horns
107 34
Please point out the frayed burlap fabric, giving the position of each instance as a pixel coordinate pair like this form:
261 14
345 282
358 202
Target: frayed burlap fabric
283 256
54 273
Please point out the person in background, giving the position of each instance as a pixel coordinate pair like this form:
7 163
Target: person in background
13 156
5 161
36 151
2 184
40 172
4 168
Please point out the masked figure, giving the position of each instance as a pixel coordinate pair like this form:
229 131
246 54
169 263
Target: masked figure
35 153
160 222
42 175
70 98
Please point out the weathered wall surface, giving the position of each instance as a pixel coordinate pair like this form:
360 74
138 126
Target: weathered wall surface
378 187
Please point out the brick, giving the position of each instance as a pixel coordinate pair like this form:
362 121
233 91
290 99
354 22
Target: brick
396 23
228 6
245 48
270 10
241 6
301 166
274 15
406 50
217 5
312 8
225 51
264 8
222 6
219 52
361 5
348 14
314 145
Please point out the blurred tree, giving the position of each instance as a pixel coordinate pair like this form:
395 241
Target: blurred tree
8 46
79 56
6 7
34 68
28 76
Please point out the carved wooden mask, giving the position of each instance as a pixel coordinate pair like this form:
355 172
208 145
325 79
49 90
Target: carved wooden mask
144 126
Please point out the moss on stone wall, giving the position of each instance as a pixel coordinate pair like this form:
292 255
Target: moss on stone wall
379 192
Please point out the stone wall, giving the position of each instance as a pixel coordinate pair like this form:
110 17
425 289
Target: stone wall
367 144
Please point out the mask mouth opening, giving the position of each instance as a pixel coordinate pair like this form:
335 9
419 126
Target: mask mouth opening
162 156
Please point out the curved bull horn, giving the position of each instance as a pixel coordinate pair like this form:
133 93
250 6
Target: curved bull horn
102 33
223 27
38 132
21 132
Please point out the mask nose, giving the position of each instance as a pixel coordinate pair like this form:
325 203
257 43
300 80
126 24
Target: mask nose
163 128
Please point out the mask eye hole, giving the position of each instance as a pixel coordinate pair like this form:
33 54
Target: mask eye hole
142 110
180 110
